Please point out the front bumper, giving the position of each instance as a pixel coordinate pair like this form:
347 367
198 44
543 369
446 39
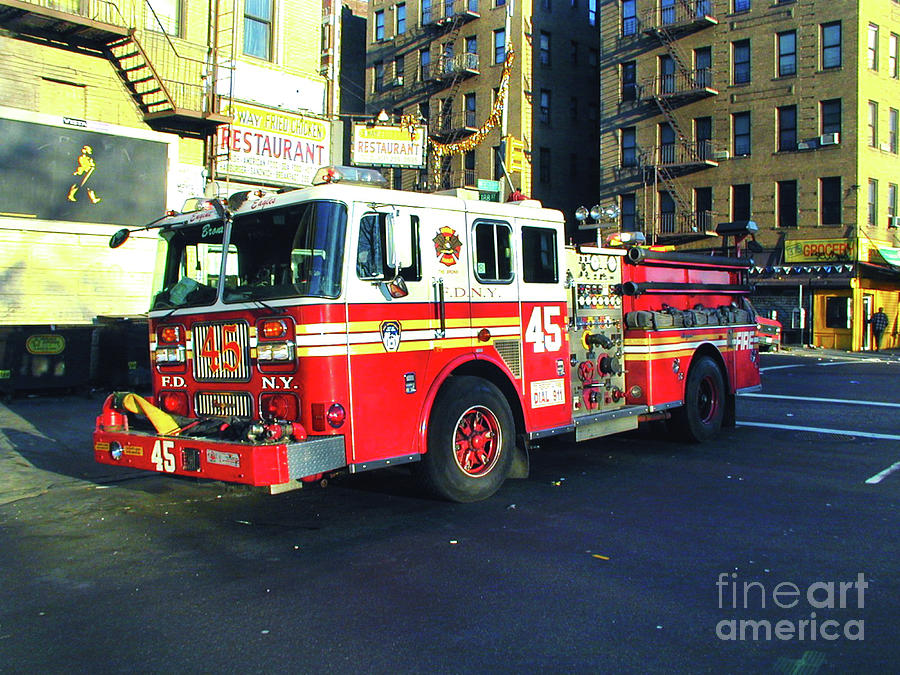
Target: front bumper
216 459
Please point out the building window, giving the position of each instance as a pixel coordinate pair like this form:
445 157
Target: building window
740 202
545 106
593 58
787 128
379 25
471 116
469 168
666 212
629 146
872 47
401 18
667 147
471 45
424 65
703 208
545 167
787 53
498 164
892 204
892 129
703 67
872 202
830 200
830 113
426 12
831 45
666 75
592 12
258 28
499 45
629 17
165 16
703 136
787 203
378 82
740 129
837 312
893 47
741 6
667 11
545 49
629 81
573 52
740 54
546 5
628 212
873 124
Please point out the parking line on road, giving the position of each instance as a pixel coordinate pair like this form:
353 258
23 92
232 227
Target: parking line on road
818 430
793 365
881 475
878 404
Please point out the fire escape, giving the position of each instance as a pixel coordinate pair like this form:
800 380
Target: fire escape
678 152
173 87
454 119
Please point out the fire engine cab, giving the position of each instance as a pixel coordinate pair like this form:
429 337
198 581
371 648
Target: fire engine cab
348 327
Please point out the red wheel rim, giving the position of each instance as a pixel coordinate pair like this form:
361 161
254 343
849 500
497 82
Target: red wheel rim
477 441
707 400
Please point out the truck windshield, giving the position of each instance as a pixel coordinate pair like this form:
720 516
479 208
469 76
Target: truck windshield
190 274
294 251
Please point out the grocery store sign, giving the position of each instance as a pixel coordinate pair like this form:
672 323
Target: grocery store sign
819 250
385 145
272 146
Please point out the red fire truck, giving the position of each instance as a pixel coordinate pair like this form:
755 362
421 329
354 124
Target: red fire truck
348 327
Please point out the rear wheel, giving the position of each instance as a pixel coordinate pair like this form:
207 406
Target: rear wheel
470 441
704 402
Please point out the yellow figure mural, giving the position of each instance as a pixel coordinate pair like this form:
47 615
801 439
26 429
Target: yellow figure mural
85 167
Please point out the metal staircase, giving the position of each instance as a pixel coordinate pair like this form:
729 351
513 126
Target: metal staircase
663 166
174 91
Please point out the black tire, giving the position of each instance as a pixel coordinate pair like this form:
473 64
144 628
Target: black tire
700 419
471 437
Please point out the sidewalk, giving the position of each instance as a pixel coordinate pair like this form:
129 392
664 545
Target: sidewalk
883 355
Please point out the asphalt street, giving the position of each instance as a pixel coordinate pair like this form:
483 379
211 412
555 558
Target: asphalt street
771 549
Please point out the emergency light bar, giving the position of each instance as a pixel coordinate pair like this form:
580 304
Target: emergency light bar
349 174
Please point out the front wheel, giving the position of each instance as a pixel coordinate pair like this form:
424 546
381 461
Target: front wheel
704 402
471 435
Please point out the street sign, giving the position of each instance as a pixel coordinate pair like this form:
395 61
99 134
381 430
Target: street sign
485 185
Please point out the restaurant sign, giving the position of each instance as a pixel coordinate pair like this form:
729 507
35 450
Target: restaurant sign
272 146
386 145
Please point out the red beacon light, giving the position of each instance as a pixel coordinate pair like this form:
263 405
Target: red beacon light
350 175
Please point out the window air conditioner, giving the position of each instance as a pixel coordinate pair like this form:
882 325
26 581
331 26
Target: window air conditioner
830 139
721 155
894 222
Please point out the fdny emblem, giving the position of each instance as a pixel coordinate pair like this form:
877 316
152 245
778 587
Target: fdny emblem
447 246
390 335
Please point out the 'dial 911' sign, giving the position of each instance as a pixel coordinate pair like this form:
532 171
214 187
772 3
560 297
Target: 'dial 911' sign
386 145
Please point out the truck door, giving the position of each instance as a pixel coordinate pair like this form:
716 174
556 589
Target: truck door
390 339
540 280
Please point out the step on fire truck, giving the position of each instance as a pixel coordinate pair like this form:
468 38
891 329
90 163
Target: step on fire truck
346 327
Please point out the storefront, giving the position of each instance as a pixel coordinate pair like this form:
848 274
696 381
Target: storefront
827 289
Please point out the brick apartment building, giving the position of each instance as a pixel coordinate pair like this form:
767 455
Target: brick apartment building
784 113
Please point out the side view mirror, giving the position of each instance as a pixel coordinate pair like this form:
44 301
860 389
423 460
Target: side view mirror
119 238
400 245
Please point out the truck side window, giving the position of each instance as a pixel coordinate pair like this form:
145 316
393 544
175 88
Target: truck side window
370 263
539 255
493 252
414 271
